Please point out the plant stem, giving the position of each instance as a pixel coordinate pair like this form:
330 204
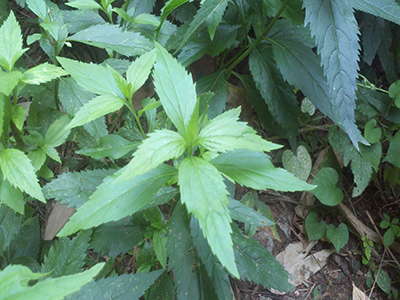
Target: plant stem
132 110
259 39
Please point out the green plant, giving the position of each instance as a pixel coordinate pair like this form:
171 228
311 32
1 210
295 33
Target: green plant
392 230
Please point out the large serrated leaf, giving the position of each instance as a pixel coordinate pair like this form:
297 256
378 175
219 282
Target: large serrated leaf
10 224
42 73
335 28
112 37
162 289
178 97
10 42
139 70
11 196
160 146
386 9
14 281
124 287
215 17
67 256
254 169
225 133
204 193
256 263
77 20
27 243
18 170
75 189
113 200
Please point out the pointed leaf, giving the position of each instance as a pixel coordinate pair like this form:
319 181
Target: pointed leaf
204 193
18 170
12 197
42 73
392 154
160 146
178 97
8 81
246 214
113 201
10 42
386 9
10 224
77 20
84 4
112 37
38 7
215 18
139 70
57 134
254 169
335 28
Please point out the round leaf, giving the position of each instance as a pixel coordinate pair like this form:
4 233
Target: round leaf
326 190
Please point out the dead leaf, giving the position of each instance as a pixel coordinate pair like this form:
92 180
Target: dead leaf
358 294
57 219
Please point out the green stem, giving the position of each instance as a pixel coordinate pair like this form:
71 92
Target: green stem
132 110
259 39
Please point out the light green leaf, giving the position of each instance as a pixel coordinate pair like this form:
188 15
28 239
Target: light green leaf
97 107
147 19
42 73
205 196
386 9
38 7
338 236
362 170
112 37
336 31
178 97
92 78
18 170
67 256
52 153
225 133
383 281
12 197
8 81
38 158
10 224
84 4
326 190
392 154
52 28
315 230
246 214
113 146
14 283
169 6
113 200
18 116
300 164
160 146
139 70
10 43
153 105
254 169
57 134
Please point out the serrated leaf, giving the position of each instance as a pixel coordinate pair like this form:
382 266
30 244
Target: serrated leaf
52 153
124 287
77 20
362 170
338 236
276 93
225 133
42 73
97 107
57 134
14 281
38 7
335 28
168 7
256 263
12 197
162 289
8 81
113 200
147 19
67 256
18 116
10 43
160 146
386 9
75 188
215 17
205 196
178 97
315 229
298 164
112 37
373 154
10 224
84 4
37 158
326 190
18 170
392 154
246 214
139 70
255 170
27 244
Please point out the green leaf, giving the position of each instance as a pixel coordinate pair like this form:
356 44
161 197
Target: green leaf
12 197
37 158
10 43
326 190
139 70
84 4
124 287
77 20
372 154
388 238
113 200
225 133
277 94
112 37
383 281
255 170
392 154
386 9
18 170
8 81
38 7
373 33
113 146
336 31
248 215
147 19
75 188
27 243
18 116
178 97
57 134
256 263
168 7
299 165
160 146
338 236
372 134
162 289
215 17
315 230
205 196
42 73
10 224
92 78
97 107
362 170
14 281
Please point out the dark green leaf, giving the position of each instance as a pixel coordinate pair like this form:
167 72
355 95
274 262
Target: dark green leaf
12 196
386 9
215 18
245 214
373 31
27 243
315 230
162 289
383 281
77 20
338 236
326 190
10 224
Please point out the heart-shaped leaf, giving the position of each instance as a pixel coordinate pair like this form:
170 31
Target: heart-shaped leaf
326 190
372 134
307 106
299 165
394 92
315 230
338 236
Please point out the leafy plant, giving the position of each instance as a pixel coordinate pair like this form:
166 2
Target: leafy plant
392 230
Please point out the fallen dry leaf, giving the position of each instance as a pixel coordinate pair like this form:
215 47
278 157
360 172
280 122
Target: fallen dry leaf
358 294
